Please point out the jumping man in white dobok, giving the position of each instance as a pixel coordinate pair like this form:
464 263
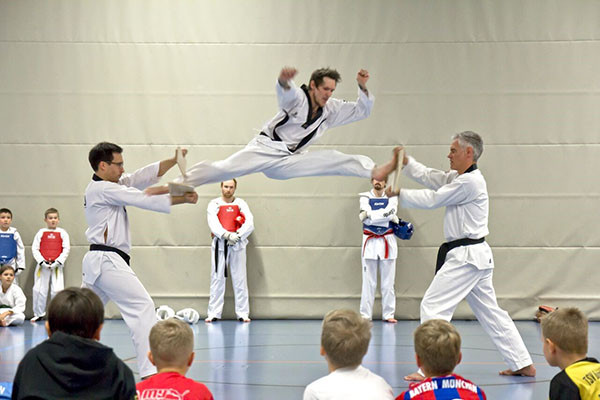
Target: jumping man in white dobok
280 150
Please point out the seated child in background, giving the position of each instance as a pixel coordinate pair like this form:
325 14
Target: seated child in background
345 339
12 251
172 352
71 364
50 249
12 299
437 348
565 336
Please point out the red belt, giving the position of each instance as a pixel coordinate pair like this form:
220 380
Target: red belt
371 235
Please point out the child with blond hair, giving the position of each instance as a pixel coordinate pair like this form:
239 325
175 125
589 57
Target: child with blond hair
345 339
172 352
565 337
437 348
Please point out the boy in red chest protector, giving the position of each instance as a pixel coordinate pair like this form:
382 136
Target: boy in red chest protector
230 222
50 249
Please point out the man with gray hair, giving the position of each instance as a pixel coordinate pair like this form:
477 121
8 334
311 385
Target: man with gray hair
465 263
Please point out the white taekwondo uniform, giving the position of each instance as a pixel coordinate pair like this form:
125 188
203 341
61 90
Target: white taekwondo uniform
279 151
107 272
379 251
467 270
16 300
52 246
226 217
12 250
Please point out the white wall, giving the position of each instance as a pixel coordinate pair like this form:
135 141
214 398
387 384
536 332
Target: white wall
151 75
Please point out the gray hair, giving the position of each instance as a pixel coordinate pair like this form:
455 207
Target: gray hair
470 139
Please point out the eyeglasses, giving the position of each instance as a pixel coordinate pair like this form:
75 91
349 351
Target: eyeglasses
118 164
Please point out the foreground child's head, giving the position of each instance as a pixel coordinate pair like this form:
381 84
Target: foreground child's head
5 218
345 338
76 311
565 334
51 218
437 346
171 345
7 275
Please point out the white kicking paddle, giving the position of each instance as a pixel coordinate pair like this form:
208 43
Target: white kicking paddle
181 162
398 172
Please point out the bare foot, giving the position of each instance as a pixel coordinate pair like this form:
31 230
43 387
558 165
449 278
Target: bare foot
391 320
3 323
525 371
244 319
209 320
381 172
414 377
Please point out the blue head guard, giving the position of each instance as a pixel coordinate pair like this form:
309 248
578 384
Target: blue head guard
404 230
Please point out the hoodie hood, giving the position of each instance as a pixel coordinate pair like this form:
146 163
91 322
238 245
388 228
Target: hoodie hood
76 362
70 367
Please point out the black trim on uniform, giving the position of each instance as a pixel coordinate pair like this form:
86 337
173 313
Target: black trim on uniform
308 137
310 121
446 247
280 123
471 168
102 247
96 178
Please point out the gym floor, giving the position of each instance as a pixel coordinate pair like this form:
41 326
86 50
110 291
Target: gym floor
276 359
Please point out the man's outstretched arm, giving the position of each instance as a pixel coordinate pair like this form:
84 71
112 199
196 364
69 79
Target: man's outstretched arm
169 163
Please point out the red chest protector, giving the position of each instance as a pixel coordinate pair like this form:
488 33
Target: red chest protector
230 217
51 245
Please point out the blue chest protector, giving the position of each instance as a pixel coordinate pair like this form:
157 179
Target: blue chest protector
6 390
8 247
404 230
376 204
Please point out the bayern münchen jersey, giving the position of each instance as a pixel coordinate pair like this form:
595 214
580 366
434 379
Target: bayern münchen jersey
450 387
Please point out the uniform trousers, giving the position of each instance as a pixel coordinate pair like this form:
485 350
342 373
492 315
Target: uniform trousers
237 272
387 269
275 161
109 276
43 278
453 283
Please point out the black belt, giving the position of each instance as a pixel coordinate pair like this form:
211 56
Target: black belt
446 247
102 247
224 256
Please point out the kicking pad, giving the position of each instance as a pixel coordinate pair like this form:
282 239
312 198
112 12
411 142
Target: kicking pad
179 189
181 161
398 172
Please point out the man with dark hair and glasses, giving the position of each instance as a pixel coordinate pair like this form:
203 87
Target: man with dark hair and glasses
106 268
